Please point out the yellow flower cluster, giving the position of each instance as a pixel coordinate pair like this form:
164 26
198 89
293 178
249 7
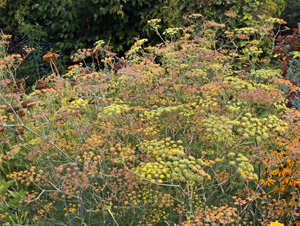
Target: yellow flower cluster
246 30
214 67
156 200
276 124
73 71
3 118
250 126
151 131
89 158
251 50
34 142
195 15
94 141
3 215
199 73
235 106
28 176
137 46
154 23
156 172
207 102
238 83
157 215
98 45
121 154
44 210
263 75
276 20
189 111
8 61
276 223
244 168
114 109
72 208
218 125
172 163
50 57
172 31
79 103
155 113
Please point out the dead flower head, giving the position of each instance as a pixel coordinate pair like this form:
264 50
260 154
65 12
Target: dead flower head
28 103
50 57
20 81
19 132
13 109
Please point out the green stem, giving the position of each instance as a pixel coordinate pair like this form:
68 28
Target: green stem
113 217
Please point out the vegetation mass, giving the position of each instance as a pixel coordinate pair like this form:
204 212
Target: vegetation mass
201 129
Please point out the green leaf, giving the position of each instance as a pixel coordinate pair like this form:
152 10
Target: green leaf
247 15
4 186
17 197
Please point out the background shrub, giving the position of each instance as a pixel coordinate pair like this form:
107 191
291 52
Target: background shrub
77 24
291 13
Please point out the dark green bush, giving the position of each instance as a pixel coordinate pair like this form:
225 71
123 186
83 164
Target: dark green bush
246 11
72 25
292 14
77 24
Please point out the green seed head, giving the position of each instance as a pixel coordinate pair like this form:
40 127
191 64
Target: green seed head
180 154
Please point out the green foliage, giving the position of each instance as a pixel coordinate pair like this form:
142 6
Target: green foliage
235 13
291 13
73 25
235 24
12 200
18 219
2 3
76 24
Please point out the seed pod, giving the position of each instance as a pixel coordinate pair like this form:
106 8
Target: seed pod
20 81
27 104
120 64
21 113
17 90
41 85
11 110
19 132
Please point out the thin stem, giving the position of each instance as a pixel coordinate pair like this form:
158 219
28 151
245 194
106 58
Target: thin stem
55 66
